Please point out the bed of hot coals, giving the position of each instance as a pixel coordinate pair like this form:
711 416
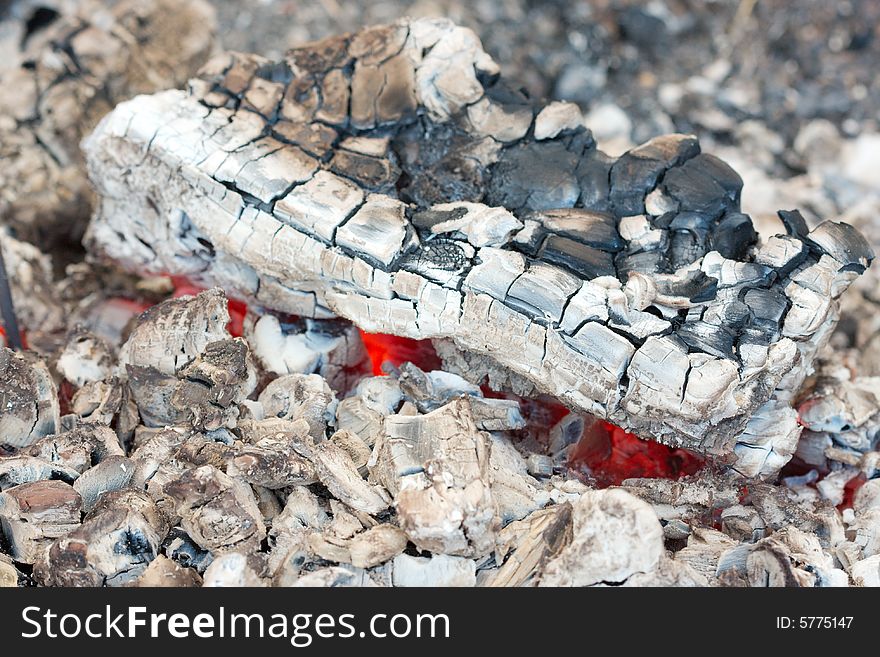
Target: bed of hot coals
270 450
157 432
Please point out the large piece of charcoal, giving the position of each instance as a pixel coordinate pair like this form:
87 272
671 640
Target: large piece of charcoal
391 178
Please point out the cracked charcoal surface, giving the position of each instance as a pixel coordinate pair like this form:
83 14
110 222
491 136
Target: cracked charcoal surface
629 288
62 79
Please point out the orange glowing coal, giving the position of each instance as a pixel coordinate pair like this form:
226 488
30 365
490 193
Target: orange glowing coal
397 350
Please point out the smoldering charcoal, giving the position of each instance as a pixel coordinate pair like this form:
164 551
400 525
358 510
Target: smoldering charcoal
367 313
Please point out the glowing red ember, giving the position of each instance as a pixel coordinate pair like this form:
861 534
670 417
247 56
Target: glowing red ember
397 350
66 391
5 343
797 468
850 490
626 456
610 453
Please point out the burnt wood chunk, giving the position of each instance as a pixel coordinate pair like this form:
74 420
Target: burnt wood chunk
112 548
374 173
218 512
704 184
78 449
212 385
377 230
436 465
708 338
843 243
583 260
695 286
33 514
319 206
593 172
733 236
594 229
768 307
28 399
782 252
794 222
401 184
440 164
16 470
316 139
543 290
638 170
537 176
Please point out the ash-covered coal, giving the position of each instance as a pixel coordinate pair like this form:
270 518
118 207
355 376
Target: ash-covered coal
632 288
411 478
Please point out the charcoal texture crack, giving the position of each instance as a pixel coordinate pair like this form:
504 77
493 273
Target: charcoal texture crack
82 64
393 179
